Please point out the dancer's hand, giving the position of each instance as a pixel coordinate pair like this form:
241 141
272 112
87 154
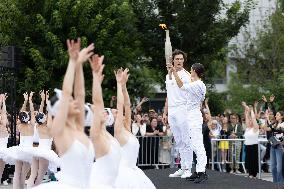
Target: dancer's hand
31 95
5 96
97 66
2 98
125 76
26 96
119 75
42 95
85 54
73 49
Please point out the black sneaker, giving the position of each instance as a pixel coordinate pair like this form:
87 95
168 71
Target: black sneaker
201 177
192 177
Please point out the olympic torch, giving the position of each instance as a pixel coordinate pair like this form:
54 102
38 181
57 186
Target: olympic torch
168 47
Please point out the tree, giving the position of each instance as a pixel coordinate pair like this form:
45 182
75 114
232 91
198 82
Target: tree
41 28
217 102
200 28
261 63
125 31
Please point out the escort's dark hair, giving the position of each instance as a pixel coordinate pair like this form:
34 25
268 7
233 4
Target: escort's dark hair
177 52
199 69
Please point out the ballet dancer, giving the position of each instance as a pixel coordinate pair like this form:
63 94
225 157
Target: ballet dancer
129 145
75 150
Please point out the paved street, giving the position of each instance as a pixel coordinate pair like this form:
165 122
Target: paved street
265 176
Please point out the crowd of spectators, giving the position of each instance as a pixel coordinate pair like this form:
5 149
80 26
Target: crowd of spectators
257 121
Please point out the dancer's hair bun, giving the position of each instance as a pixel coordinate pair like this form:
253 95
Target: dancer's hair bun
110 118
89 114
24 117
40 118
53 102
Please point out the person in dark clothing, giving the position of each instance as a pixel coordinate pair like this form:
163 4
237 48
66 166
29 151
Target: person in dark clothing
152 131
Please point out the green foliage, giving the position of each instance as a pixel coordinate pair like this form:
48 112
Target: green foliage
216 102
195 27
125 31
41 28
239 92
261 63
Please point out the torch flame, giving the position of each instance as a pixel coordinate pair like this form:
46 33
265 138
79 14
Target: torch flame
163 26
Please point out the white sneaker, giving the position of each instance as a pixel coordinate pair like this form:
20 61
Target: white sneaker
5 183
186 174
178 173
238 172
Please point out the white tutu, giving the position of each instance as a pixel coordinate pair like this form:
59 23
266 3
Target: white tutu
76 166
105 169
17 153
3 147
130 176
133 178
44 151
101 180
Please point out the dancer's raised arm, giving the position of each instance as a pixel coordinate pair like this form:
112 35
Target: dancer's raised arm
97 96
127 103
79 93
48 114
118 125
32 108
42 96
4 111
24 106
75 57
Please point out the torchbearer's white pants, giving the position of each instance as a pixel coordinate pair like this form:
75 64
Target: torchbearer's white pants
195 121
177 118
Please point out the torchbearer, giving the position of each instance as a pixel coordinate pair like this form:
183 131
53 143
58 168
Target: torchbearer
176 107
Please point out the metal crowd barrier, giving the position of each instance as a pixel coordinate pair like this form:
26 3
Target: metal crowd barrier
151 148
232 154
